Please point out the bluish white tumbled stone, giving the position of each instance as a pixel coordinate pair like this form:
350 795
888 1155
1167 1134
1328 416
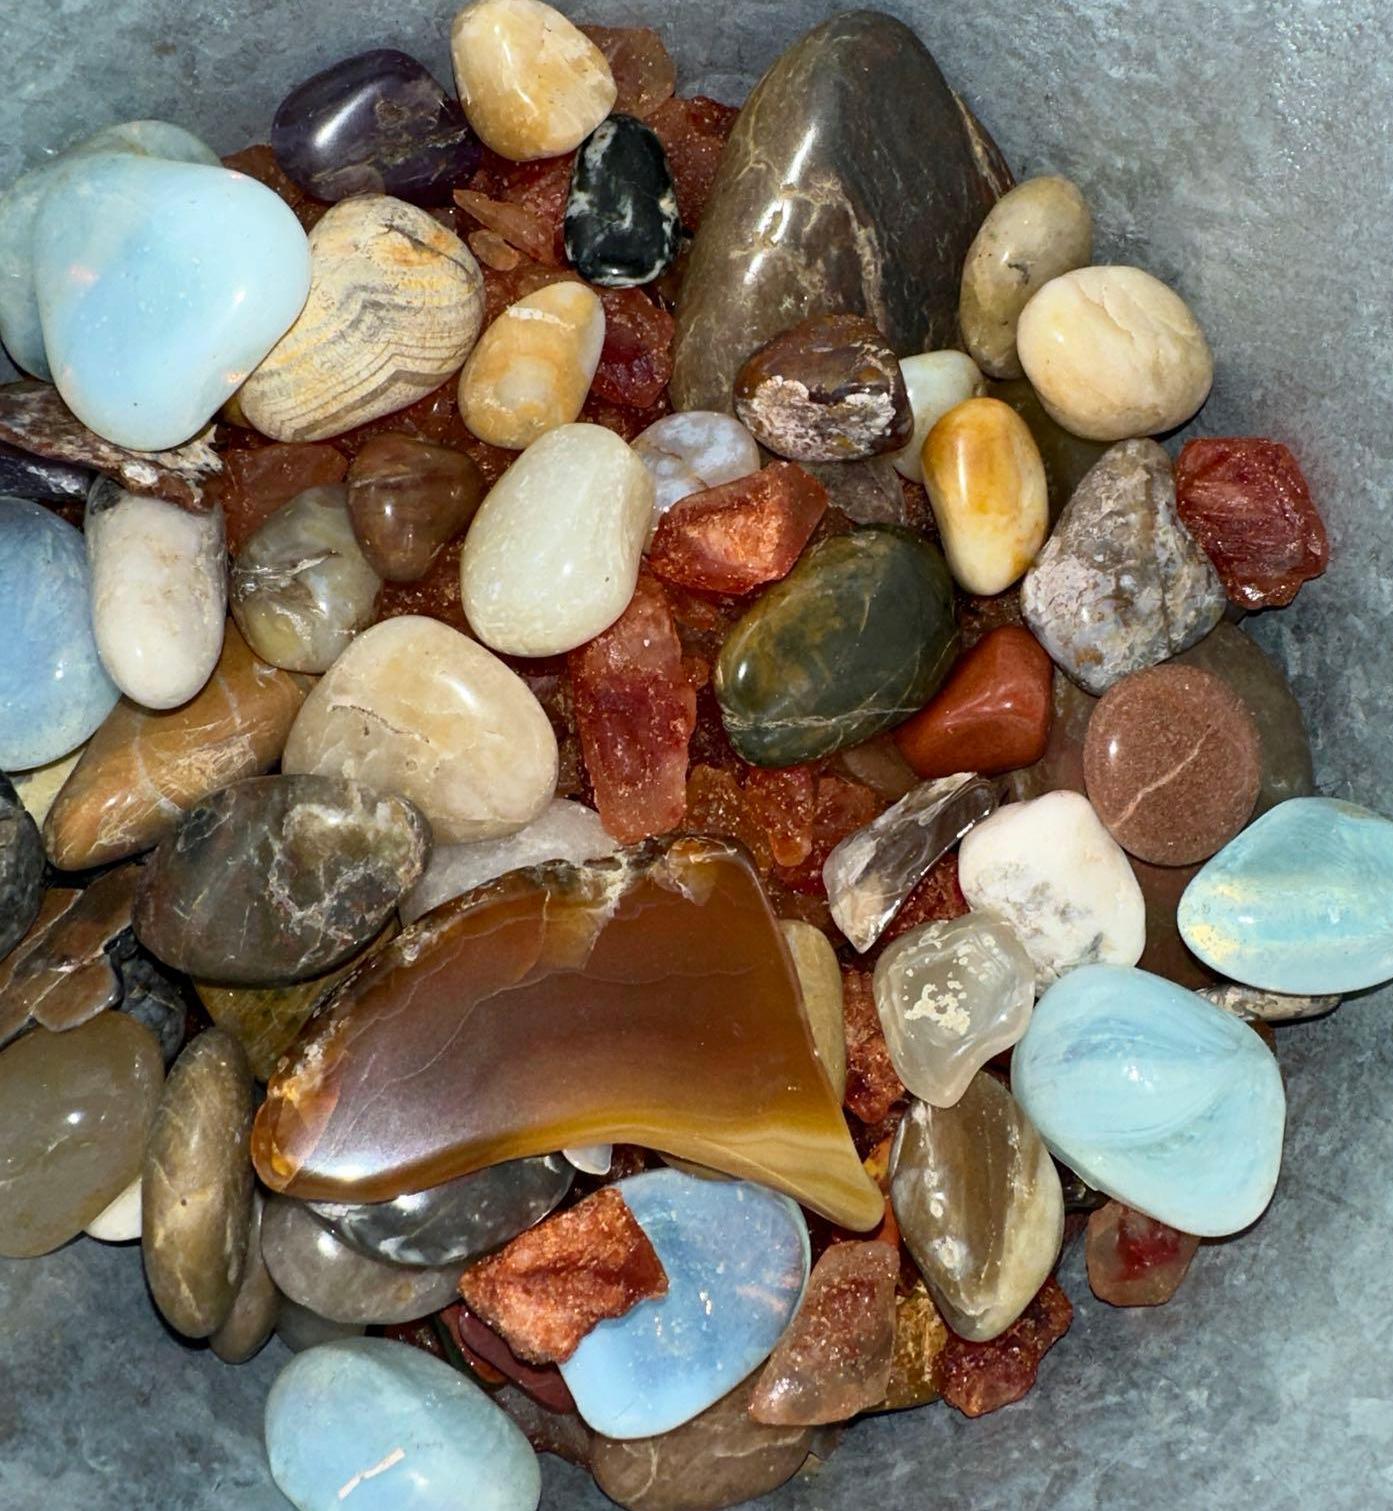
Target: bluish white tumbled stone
20 329
736 1257
372 1425
161 285
1300 902
1155 1096
54 690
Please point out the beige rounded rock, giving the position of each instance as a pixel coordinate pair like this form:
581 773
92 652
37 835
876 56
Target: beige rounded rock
986 483
1114 354
1038 231
820 977
936 382
395 305
553 554
533 366
532 84
119 1222
416 708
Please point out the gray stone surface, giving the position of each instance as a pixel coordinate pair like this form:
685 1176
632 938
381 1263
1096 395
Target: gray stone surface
1242 151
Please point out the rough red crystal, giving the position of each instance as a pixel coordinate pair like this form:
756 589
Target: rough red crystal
982 1377
520 227
436 595
716 804
480 1344
636 711
1247 503
872 1087
636 359
254 483
781 800
643 70
693 133
1132 1259
841 807
735 537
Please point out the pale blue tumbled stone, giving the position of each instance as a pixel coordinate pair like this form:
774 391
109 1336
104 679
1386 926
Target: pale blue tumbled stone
1301 902
1155 1096
53 689
736 1257
161 286
20 329
372 1425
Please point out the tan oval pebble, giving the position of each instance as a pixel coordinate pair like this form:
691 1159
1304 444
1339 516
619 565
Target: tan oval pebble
986 483
253 1317
1039 230
196 1191
820 978
532 84
395 305
1114 354
415 707
533 366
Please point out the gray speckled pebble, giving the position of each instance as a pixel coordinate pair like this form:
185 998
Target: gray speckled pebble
1242 155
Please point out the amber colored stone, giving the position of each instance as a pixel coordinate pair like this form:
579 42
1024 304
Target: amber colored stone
834 1359
981 1377
840 808
635 711
781 799
643 70
255 483
716 804
493 251
478 1341
518 226
1132 1259
1247 502
694 134
993 713
921 1335
406 498
1173 763
636 358
547 1288
143 769
735 537
872 1087
644 998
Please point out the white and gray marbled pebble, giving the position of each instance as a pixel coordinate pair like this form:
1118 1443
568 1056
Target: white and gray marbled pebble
1253 1004
692 451
622 221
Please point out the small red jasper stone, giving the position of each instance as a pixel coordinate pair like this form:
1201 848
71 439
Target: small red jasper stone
992 714
1246 502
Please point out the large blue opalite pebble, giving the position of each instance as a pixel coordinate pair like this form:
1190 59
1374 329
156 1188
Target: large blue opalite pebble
20 329
372 1425
1301 902
53 690
161 285
736 1257
1155 1096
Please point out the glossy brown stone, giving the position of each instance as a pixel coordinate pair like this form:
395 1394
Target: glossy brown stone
406 498
991 715
834 1359
1133 1260
562 1006
980 1377
254 483
143 769
740 535
1172 764
196 1186
829 389
549 1286
247 1328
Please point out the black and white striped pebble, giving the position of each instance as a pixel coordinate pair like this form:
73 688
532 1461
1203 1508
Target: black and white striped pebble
622 221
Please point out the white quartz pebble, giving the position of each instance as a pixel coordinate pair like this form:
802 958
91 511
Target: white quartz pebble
591 1159
692 451
937 382
118 1222
553 554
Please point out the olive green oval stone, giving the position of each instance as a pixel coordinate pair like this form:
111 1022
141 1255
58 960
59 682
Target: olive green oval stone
854 640
74 1110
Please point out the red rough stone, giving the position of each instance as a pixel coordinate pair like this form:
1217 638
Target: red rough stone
636 358
1132 1259
841 807
694 134
636 711
626 423
548 1287
493 251
481 1345
1247 503
516 224
643 70
716 804
872 1087
981 1377
540 188
255 482
781 800
735 537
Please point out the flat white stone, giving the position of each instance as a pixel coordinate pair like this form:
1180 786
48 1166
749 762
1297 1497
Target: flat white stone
120 1221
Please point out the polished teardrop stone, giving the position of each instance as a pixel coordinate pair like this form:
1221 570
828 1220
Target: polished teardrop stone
854 640
644 999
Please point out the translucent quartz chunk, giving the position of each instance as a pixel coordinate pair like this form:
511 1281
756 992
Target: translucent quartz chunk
950 996
644 999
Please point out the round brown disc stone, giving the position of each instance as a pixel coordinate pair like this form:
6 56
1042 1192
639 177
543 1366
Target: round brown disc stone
1172 762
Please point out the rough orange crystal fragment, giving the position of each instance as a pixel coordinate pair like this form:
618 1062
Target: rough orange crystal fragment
636 358
872 1087
643 70
547 1288
643 999
982 1377
693 133
1133 1260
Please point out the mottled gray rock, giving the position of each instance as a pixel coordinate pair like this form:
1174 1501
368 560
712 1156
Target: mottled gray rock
21 868
1121 584
1250 1003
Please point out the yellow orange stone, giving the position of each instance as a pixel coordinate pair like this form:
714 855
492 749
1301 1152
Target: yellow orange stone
986 483
533 366
532 84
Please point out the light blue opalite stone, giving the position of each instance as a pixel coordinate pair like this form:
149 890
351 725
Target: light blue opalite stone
372 1425
53 689
20 330
1301 902
1155 1096
736 1257
161 286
